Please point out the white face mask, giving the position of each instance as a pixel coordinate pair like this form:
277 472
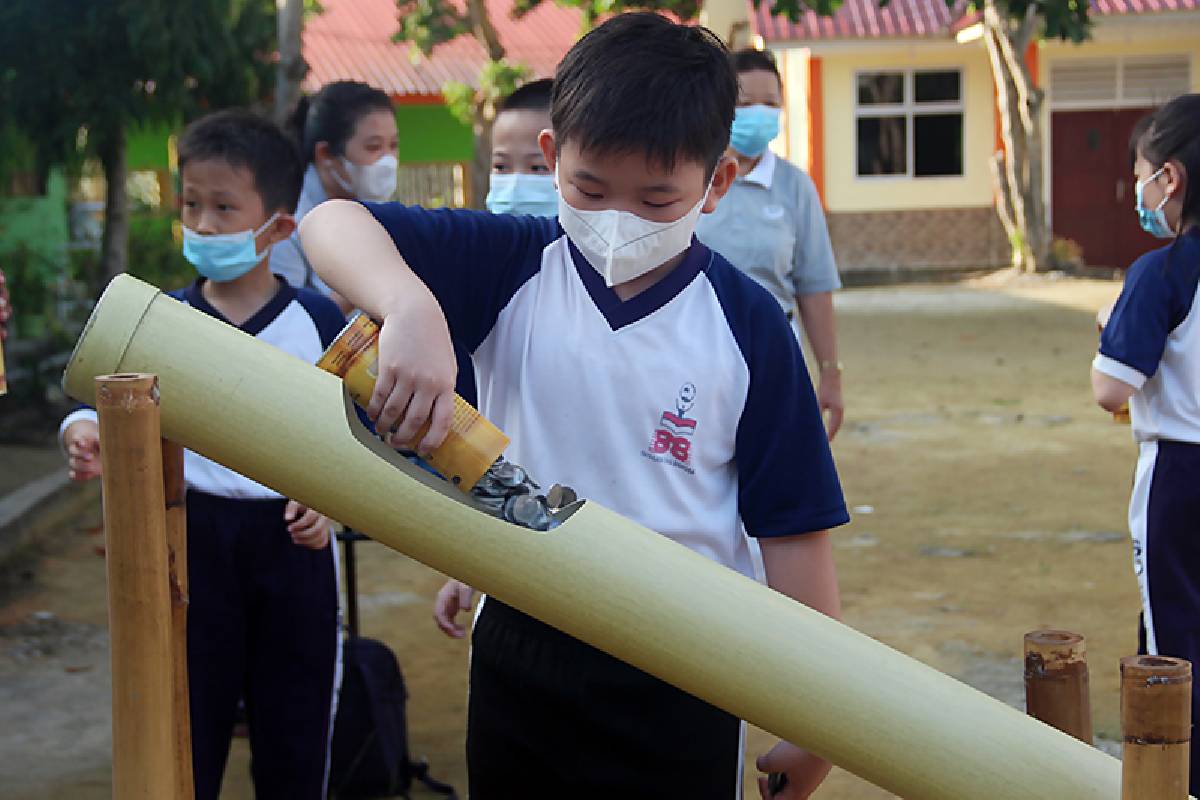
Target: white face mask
622 246
375 182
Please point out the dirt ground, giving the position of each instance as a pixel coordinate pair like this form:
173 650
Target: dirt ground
989 499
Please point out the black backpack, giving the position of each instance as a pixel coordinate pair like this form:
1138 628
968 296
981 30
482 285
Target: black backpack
370 756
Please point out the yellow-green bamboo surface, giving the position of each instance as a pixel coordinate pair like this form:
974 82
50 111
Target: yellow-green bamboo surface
600 577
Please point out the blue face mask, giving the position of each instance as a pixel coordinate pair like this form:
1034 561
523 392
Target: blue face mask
516 193
754 127
1153 221
224 257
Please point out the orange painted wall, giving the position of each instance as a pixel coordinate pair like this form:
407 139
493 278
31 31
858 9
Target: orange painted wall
816 127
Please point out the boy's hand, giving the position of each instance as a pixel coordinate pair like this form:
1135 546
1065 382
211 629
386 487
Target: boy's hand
82 441
453 597
417 370
307 527
829 400
803 770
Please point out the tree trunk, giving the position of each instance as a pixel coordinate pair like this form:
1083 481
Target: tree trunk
481 165
291 68
1018 172
114 245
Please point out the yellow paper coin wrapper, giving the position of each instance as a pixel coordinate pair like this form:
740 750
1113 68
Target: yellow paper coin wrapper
473 443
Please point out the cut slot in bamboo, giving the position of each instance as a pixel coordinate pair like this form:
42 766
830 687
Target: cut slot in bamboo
174 496
1056 682
1156 722
139 610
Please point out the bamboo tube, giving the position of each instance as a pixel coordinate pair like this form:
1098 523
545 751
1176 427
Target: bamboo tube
599 577
139 616
1156 722
1056 682
175 495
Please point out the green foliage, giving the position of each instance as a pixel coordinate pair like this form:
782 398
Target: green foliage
428 23
497 80
67 65
30 276
155 254
1061 19
594 9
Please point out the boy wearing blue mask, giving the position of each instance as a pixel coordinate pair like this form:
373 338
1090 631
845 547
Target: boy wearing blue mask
772 227
262 618
629 361
521 182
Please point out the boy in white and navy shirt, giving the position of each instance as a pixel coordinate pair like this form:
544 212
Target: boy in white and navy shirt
629 361
262 571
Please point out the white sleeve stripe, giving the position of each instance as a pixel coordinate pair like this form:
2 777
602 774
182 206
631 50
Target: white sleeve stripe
1115 369
75 416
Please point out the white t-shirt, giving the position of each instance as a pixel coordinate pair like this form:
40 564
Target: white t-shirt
687 408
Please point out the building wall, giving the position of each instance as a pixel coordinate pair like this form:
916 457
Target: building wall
846 192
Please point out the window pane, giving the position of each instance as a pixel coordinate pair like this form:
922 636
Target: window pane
938 144
880 88
938 87
882 146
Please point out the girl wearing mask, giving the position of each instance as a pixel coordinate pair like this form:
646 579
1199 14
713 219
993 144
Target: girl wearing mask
348 138
1150 356
771 226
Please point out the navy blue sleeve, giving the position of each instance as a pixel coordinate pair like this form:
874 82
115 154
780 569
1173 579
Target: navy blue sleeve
472 261
787 482
1149 308
325 314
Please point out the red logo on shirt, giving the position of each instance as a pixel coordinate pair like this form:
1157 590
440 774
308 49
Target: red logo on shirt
672 440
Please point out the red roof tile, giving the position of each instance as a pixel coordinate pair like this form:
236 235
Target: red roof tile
352 40
863 19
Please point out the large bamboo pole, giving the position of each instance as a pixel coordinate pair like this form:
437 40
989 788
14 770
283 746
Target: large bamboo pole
1056 682
139 616
175 497
1156 723
599 577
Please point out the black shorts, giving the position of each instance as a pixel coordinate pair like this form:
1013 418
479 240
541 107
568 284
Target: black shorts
550 716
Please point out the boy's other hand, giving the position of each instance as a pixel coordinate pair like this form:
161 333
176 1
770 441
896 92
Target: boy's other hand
307 527
417 371
829 400
82 442
453 597
804 772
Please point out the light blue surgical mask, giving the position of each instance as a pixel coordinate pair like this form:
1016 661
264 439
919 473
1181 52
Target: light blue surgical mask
754 127
224 257
1153 221
517 193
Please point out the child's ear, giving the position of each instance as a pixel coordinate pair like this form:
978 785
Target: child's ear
549 148
723 177
283 227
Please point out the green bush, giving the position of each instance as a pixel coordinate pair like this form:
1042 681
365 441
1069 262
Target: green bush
155 255
31 277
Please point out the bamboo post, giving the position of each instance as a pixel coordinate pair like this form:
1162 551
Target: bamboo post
1056 682
139 616
175 495
1156 722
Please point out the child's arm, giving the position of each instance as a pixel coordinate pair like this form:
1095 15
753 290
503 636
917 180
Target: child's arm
454 597
802 568
1111 393
352 253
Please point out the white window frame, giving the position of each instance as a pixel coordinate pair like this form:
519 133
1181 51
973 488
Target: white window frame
909 109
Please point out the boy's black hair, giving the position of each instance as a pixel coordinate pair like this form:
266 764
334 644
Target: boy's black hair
1174 135
640 83
532 96
242 138
751 60
333 113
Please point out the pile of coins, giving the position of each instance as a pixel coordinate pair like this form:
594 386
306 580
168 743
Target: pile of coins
507 489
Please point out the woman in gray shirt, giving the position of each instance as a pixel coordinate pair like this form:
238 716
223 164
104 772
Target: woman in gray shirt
771 225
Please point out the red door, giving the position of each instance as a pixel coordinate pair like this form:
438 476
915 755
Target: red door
1092 198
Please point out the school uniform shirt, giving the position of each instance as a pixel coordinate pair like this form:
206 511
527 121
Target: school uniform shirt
771 226
297 321
1152 342
687 408
287 257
